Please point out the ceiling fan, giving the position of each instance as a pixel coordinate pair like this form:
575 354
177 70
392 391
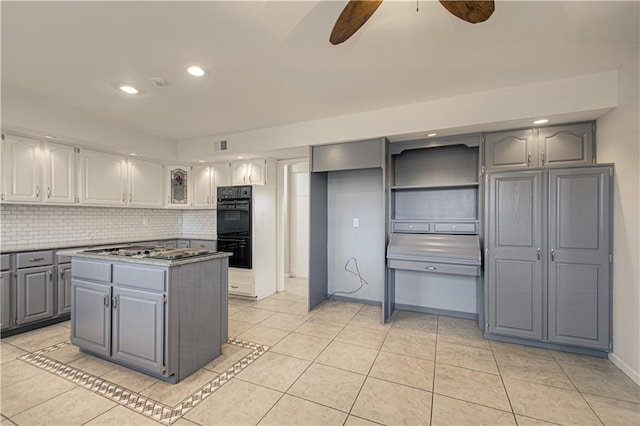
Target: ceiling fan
357 12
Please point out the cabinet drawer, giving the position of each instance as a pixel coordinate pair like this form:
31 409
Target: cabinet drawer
434 267
139 277
182 244
411 227
63 259
241 288
34 258
91 270
204 244
4 262
455 227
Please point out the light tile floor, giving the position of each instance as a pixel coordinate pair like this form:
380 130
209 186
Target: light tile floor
335 365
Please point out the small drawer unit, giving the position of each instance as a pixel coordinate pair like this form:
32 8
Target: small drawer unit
204 244
456 227
34 258
245 289
417 227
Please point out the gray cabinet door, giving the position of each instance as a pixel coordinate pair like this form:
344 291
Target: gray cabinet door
579 248
138 328
513 266
5 301
35 294
64 288
566 145
91 319
510 150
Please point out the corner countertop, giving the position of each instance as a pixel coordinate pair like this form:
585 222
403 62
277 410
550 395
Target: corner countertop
145 261
11 248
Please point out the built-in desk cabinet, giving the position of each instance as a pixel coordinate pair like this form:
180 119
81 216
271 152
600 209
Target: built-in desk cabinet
555 146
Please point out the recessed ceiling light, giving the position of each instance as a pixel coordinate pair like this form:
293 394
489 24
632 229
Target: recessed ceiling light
50 137
129 89
201 161
133 153
240 157
430 135
195 71
541 121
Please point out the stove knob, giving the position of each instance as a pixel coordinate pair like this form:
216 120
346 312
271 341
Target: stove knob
146 252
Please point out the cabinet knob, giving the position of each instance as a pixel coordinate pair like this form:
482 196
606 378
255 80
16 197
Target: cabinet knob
48 192
529 160
37 191
431 268
542 157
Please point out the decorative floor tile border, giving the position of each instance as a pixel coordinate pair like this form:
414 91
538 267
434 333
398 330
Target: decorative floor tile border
141 404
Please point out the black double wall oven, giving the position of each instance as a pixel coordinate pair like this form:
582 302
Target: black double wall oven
234 224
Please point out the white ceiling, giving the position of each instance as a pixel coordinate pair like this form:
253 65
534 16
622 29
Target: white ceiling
270 63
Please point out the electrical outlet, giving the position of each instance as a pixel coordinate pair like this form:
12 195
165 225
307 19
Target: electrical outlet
356 222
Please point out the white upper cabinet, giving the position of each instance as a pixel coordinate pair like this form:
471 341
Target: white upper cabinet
145 183
206 180
21 166
103 178
250 172
203 184
59 173
178 186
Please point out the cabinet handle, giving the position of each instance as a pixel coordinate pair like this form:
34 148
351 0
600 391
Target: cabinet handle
130 197
431 268
529 160
106 300
539 253
48 192
35 259
208 198
3 196
50 275
123 197
542 157
234 286
553 255
115 302
37 191
61 274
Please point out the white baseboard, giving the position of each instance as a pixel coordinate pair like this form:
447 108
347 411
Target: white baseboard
626 368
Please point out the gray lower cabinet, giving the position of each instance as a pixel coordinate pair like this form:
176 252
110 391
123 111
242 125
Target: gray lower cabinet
91 319
547 267
5 301
556 146
138 328
579 263
35 294
203 244
64 288
514 265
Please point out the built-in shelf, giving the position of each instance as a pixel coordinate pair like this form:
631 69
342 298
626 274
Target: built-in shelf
447 186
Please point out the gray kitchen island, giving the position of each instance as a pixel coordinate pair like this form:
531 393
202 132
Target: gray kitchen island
165 316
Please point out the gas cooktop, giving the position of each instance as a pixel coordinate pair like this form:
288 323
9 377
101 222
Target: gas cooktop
145 252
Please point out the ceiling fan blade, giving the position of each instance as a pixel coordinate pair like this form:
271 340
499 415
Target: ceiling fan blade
470 11
354 15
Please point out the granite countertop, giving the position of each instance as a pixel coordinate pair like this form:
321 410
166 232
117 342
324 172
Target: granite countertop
145 261
10 248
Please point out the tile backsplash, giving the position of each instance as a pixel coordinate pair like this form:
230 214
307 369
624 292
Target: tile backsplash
33 224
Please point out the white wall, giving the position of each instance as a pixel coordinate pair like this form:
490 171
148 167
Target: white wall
594 92
299 223
356 194
618 141
36 117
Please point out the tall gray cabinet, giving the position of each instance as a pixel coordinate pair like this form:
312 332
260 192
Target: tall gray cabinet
548 254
